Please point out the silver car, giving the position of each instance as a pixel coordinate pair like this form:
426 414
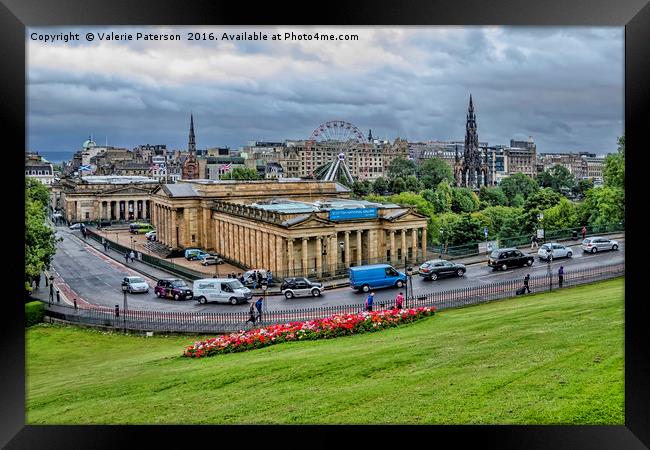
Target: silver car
135 284
297 287
554 250
598 244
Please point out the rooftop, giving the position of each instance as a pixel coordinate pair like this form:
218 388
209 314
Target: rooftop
117 179
287 206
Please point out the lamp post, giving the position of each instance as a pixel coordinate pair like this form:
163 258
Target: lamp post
409 281
540 217
264 288
51 289
549 273
125 288
342 247
442 241
132 247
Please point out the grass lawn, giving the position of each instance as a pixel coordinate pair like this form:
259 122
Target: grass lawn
538 359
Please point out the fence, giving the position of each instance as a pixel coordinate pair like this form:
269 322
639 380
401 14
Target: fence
162 321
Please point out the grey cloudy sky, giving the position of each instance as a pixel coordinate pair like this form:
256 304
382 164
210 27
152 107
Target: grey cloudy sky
563 86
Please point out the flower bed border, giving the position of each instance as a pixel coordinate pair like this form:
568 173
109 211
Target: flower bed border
329 327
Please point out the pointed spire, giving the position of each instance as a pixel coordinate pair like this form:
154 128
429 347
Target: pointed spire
369 135
191 145
471 104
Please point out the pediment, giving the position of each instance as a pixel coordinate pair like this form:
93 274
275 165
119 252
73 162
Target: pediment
404 216
307 222
127 190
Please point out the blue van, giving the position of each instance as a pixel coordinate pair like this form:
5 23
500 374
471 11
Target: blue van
365 278
192 254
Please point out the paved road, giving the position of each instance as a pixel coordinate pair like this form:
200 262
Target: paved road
96 278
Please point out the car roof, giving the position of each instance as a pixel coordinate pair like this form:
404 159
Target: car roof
216 279
436 260
371 266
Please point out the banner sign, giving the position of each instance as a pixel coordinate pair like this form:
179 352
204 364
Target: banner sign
487 247
352 214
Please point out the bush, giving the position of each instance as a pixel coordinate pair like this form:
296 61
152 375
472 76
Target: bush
34 313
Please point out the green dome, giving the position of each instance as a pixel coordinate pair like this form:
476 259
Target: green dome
89 144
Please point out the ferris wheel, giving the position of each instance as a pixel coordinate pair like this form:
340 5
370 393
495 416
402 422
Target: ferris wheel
337 131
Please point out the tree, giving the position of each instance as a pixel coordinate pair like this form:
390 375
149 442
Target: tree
361 188
433 171
492 196
409 198
460 229
562 215
240 173
380 185
497 218
614 171
582 186
602 206
535 204
397 185
544 179
518 201
518 184
562 179
464 200
412 184
401 167
443 197
40 240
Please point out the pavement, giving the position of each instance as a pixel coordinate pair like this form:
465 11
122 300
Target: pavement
154 273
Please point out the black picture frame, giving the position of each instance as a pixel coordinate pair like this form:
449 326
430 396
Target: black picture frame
634 15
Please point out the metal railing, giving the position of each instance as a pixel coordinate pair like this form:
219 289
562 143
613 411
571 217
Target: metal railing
187 322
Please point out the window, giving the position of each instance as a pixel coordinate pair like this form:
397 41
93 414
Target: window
193 238
225 287
391 272
87 215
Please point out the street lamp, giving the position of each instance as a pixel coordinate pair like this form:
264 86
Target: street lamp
264 287
342 247
132 247
51 289
540 217
409 281
125 288
442 241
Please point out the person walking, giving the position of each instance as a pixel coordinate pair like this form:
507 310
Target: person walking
240 277
105 244
269 277
254 281
399 301
584 232
251 314
526 280
259 278
533 242
369 301
132 256
258 306
560 276
126 257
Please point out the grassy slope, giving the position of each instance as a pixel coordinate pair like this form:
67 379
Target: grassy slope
549 358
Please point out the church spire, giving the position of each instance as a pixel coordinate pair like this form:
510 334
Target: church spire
369 135
191 145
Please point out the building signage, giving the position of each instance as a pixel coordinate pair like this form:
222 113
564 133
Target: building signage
352 214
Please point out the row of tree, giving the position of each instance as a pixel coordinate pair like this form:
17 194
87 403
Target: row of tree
512 208
40 239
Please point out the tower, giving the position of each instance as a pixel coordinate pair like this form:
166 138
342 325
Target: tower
471 170
370 136
190 169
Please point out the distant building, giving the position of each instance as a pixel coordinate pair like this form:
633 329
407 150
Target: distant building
190 169
38 168
522 157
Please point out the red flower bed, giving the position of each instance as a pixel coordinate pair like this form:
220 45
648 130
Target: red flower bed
333 326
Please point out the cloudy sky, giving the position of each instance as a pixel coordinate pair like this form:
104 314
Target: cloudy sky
562 86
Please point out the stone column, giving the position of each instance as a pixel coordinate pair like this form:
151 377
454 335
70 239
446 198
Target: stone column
175 224
372 246
334 253
291 264
404 252
279 260
393 250
305 259
265 250
319 257
272 259
347 249
359 248
424 243
222 237
259 249
414 244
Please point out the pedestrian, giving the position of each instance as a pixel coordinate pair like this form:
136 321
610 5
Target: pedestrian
560 276
251 314
104 244
37 280
399 300
269 277
584 232
369 301
240 278
254 282
526 280
533 242
126 257
229 276
258 306
132 256
259 277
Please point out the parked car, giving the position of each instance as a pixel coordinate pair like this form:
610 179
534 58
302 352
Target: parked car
597 244
135 284
509 257
554 250
438 268
76 226
210 260
375 276
139 227
173 288
192 254
297 287
225 290
151 235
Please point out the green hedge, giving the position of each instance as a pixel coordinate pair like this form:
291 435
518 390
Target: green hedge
34 313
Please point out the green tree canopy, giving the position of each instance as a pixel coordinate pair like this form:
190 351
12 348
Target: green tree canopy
562 179
361 188
412 184
464 200
433 171
241 173
602 206
492 196
518 184
562 215
40 240
402 168
614 171
397 185
380 185
535 204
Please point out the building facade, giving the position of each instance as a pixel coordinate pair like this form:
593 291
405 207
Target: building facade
38 168
291 227
106 198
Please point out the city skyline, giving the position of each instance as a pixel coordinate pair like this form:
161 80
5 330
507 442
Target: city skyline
562 86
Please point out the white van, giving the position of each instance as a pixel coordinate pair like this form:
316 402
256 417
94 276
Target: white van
225 290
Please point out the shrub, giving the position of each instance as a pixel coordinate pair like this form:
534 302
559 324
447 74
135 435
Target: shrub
34 313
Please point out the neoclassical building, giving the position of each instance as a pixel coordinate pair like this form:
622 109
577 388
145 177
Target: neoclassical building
291 227
92 198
